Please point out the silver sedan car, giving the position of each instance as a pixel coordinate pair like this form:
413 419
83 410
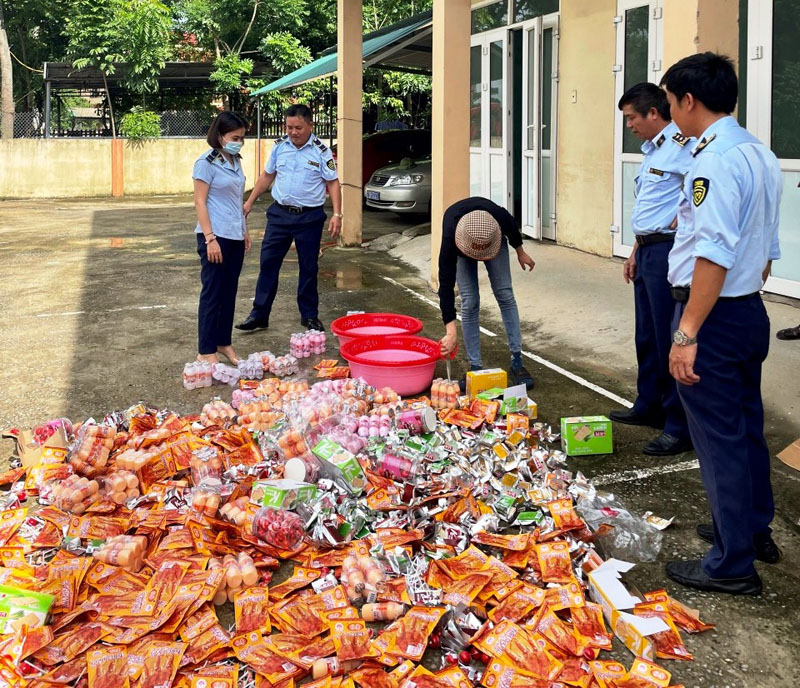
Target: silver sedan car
404 187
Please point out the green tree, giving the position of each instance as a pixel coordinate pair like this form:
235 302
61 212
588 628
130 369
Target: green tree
136 32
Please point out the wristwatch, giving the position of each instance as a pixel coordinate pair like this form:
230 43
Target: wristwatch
680 338
339 215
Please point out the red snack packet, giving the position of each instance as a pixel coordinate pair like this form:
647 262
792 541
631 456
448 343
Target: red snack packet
685 618
564 515
411 633
161 664
607 673
108 667
519 604
555 562
299 579
527 654
644 674
590 626
668 644
251 608
517 542
352 640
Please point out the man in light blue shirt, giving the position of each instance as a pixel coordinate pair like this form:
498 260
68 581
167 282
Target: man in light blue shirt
726 242
302 169
667 159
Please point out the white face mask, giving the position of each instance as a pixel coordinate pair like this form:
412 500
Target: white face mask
232 147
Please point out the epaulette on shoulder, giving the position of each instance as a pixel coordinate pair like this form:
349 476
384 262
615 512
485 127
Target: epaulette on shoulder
281 139
680 139
320 145
213 155
703 144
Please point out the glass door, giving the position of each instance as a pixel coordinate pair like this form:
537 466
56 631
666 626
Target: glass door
773 111
531 130
490 117
639 48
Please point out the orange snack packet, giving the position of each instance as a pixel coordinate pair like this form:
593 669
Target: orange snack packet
352 640
251 649
372 677
161 664
72 643
555 561
300 613
108 667
216 677
590 626
564 515
9 522
644 674
518 542
465 590
685 618
667 644
561 635
411 635
455 677
607 673
206 644
500 675
299 579
330 616
164 584
514 646
198 623
251 608
519 604
469 561
34 639
565 596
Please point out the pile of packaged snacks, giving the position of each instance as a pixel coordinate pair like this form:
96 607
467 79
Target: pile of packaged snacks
457 548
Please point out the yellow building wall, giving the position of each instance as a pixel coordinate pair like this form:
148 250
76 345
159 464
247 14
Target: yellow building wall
66 168
55 168
680 30
586 127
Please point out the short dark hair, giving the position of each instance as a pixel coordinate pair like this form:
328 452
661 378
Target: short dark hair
644 96
224 122
709 77
299 110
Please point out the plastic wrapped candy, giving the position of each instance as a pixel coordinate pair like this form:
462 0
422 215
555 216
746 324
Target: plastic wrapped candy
283 366
74 494
217 411
278 527
444 394
251 368
305 344
93 444
119 486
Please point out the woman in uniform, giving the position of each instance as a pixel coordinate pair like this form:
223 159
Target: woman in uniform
221 231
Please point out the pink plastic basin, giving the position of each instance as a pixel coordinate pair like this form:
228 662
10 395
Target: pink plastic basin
351 327
403 362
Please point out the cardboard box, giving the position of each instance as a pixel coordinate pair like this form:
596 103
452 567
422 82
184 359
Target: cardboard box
585 435
480 380
30 453
607 590
281 494
20 607
344 461
791 455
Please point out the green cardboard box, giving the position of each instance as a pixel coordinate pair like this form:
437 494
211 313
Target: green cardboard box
281 494
586 435
348 465
20 607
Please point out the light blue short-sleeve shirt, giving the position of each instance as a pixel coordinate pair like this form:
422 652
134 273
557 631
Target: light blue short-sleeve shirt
301 173
730 209
225 190
667 159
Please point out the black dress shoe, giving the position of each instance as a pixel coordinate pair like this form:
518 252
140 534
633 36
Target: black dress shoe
691 574
312 324
631 417
766 550
789 333
666 445
253 323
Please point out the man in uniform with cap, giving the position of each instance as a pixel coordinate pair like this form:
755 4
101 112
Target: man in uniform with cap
727 239
302 168
667 158
477 230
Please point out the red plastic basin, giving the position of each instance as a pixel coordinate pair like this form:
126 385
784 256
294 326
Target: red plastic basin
403 362
351 327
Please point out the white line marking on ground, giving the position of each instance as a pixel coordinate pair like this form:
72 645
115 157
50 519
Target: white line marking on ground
430 302
108 310
542 361
644 473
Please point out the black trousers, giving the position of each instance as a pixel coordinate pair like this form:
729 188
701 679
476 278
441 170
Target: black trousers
218 295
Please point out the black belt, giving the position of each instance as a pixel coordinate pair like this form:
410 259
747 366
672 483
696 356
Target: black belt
297 209
646 239
681 295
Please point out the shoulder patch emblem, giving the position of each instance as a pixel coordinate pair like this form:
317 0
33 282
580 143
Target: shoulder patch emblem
281 139
660 173
331 165
703 144
320 145
700 188
213 155
661 140
680 139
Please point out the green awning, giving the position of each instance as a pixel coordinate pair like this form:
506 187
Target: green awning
393 46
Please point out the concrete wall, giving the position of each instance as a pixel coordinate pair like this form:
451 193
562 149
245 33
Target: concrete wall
67 168
680 30
56 168
586 127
